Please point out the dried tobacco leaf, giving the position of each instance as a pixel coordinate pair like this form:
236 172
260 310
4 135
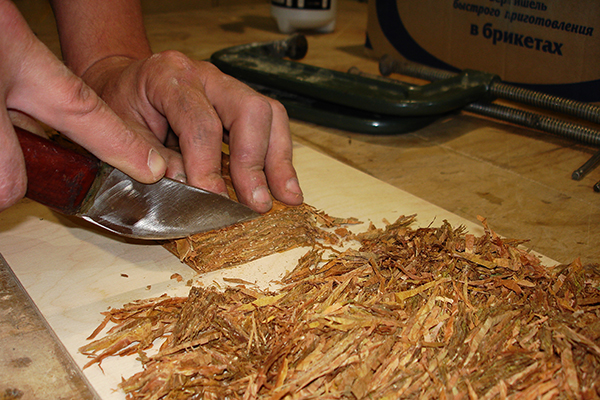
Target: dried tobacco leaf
281 229
412 313
136 326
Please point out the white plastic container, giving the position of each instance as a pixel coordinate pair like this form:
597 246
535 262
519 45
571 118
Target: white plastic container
303 15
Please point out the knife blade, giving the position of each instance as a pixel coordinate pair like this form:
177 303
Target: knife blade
79 184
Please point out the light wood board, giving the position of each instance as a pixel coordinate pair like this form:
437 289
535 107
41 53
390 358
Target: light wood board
74 271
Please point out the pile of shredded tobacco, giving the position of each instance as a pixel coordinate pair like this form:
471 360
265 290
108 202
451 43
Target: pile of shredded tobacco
428 313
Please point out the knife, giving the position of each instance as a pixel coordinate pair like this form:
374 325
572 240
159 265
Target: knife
79 184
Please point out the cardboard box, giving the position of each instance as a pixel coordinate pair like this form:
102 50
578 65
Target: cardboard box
547 45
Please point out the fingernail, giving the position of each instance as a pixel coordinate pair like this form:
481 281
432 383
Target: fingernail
293 186
157 164
180 177
261 195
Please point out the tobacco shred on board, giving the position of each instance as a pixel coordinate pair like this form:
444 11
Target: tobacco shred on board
283 228
411 313
433 313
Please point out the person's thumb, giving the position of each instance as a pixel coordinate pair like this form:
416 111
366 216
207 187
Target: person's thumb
64 102
44 88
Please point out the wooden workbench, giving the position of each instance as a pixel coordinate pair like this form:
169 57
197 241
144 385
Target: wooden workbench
519 179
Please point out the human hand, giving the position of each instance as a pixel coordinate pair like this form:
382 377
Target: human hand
198 103
34 83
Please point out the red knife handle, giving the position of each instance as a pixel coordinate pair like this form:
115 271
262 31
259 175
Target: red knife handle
57 177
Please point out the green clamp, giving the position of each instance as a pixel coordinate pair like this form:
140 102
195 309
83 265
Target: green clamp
264 64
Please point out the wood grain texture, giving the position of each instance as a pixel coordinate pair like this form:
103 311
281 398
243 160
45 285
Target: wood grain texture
34 364
518 178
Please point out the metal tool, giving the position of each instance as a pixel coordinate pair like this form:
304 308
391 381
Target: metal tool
332 115
589 165
342 99
263 64
81 185
501 90
527 119
497 89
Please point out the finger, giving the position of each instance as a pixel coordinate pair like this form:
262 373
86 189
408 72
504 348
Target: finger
174 160
13 180
74 109
259 142
175 165
181 98
45 89
200 141
248 144
279 168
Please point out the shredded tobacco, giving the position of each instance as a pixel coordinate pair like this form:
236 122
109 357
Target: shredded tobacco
410 313
283 228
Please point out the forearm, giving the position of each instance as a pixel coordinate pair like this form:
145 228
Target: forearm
93 30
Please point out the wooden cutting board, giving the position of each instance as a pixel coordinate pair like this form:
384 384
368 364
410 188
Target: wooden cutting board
73 271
